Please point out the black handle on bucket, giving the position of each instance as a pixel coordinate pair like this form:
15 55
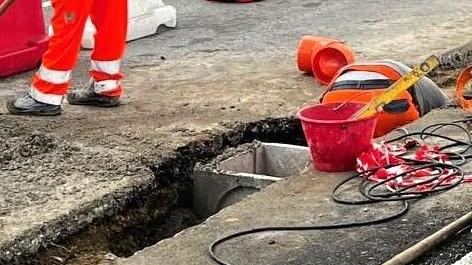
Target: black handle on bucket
5 5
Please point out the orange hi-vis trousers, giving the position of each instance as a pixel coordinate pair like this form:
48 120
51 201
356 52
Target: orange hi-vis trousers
110 18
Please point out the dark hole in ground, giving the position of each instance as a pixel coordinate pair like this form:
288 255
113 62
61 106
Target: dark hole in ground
166 208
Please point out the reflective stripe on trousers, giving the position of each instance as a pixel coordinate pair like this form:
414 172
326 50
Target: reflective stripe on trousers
110 18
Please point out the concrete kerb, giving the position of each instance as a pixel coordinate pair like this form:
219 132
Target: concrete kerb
302 193
244 170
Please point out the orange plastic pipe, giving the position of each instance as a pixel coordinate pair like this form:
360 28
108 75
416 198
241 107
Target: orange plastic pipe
464 78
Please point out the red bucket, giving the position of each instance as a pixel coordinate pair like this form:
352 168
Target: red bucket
335 142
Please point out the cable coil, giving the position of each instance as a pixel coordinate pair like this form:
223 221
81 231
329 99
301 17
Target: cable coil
457 150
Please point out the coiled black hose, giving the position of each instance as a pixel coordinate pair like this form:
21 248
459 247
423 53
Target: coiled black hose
373 192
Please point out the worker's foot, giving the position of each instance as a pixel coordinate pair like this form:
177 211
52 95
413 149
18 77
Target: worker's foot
87 96
26 105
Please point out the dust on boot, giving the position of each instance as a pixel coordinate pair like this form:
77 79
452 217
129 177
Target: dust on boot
89 96
27 105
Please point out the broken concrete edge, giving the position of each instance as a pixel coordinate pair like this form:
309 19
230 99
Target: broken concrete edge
212 165
456 58
107 208
169 170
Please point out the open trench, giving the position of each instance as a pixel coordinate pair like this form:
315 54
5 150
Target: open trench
164 208
167 210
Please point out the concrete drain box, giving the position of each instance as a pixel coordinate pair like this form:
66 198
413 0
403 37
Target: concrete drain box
241 171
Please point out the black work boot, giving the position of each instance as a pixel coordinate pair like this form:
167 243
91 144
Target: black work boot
87 96
26 105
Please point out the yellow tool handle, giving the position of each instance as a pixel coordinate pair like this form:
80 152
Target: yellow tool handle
397 88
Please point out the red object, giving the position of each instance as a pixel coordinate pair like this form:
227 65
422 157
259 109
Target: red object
327 60
387 121
323 57
334 141
380 156
23 37
110 18
307 45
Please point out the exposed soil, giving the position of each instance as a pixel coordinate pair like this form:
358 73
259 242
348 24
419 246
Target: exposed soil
60 176
40 161
157 215
50 162
446 79
103 243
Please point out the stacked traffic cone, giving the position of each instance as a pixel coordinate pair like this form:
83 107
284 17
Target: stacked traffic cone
323 57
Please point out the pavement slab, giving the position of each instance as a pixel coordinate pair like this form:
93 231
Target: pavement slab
305 200
60 175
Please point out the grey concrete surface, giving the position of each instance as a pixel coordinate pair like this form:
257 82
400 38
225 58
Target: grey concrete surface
399 30
305 200
270 159
212 191
466 260
235 174
224 63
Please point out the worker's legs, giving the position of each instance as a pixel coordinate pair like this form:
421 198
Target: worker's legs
52 80
111 20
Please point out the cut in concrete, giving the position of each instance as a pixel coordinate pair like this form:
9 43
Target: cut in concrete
251 167
62 175
305 200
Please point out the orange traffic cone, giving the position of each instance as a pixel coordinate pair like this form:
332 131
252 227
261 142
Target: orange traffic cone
323 57
329 59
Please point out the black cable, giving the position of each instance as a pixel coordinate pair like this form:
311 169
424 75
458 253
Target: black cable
372 192
218 242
